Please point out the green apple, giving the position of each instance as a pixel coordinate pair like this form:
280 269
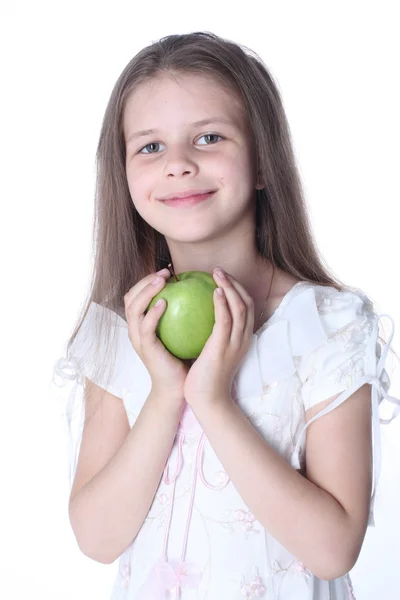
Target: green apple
188 319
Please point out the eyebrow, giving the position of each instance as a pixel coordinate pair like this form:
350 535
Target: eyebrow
200 123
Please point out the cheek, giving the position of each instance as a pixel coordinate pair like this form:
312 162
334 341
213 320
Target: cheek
138 188
148 214
236 168
237 177
143 200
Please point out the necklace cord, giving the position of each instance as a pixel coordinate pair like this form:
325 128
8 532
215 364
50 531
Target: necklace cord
266 299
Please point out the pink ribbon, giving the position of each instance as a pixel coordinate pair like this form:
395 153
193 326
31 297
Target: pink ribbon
166 575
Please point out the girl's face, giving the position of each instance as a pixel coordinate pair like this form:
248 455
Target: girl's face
180 155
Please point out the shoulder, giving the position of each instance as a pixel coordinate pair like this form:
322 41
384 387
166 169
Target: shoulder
339 308
335 305
282 285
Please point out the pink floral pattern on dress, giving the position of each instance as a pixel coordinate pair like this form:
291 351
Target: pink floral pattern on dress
245 518
301 569
254 589
295 566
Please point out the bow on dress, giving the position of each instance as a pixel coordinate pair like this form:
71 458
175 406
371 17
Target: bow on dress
167 576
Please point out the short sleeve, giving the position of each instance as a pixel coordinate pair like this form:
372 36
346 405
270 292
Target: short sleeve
352 355
349 352
85 359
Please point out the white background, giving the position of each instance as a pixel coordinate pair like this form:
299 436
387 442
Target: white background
337 67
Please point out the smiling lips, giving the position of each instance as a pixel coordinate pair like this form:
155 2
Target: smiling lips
187 200
186 193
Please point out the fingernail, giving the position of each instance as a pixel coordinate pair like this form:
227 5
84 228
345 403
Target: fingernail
157 280
220 273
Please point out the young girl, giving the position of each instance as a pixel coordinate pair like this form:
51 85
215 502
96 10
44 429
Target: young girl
251 471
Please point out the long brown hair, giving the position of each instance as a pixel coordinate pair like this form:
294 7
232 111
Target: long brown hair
126 248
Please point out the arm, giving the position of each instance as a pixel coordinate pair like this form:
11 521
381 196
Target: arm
321 518
108 511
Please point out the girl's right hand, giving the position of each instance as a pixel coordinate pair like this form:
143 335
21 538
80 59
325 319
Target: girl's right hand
167 372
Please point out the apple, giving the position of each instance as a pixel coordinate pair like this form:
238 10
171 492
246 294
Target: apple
188 319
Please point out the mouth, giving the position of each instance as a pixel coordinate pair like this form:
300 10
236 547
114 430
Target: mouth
189 200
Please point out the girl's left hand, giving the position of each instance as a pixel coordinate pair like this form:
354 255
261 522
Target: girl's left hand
211 375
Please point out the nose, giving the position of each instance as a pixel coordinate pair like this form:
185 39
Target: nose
179 162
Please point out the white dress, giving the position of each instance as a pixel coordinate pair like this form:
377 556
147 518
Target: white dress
319 342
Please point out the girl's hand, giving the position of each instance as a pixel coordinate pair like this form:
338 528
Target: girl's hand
167 372
211 375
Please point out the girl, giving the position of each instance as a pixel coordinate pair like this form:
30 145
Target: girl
200 475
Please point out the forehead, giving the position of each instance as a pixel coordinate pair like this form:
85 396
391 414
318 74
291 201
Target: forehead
181 99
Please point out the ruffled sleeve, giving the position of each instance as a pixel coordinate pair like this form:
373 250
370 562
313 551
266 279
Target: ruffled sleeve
82 361
351 356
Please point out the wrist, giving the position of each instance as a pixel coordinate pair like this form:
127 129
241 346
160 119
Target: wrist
210 399
167 399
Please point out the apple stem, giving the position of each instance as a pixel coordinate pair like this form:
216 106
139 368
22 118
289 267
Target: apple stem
171 268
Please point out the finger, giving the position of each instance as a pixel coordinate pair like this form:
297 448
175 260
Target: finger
237 306
140 285
249 325
223 319
135 312
148 337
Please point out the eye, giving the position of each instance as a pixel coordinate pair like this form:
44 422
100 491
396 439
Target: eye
211 135
206 135
148 146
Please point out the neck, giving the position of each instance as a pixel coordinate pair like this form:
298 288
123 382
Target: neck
236 254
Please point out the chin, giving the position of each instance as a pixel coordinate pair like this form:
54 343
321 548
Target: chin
189 231
189 237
